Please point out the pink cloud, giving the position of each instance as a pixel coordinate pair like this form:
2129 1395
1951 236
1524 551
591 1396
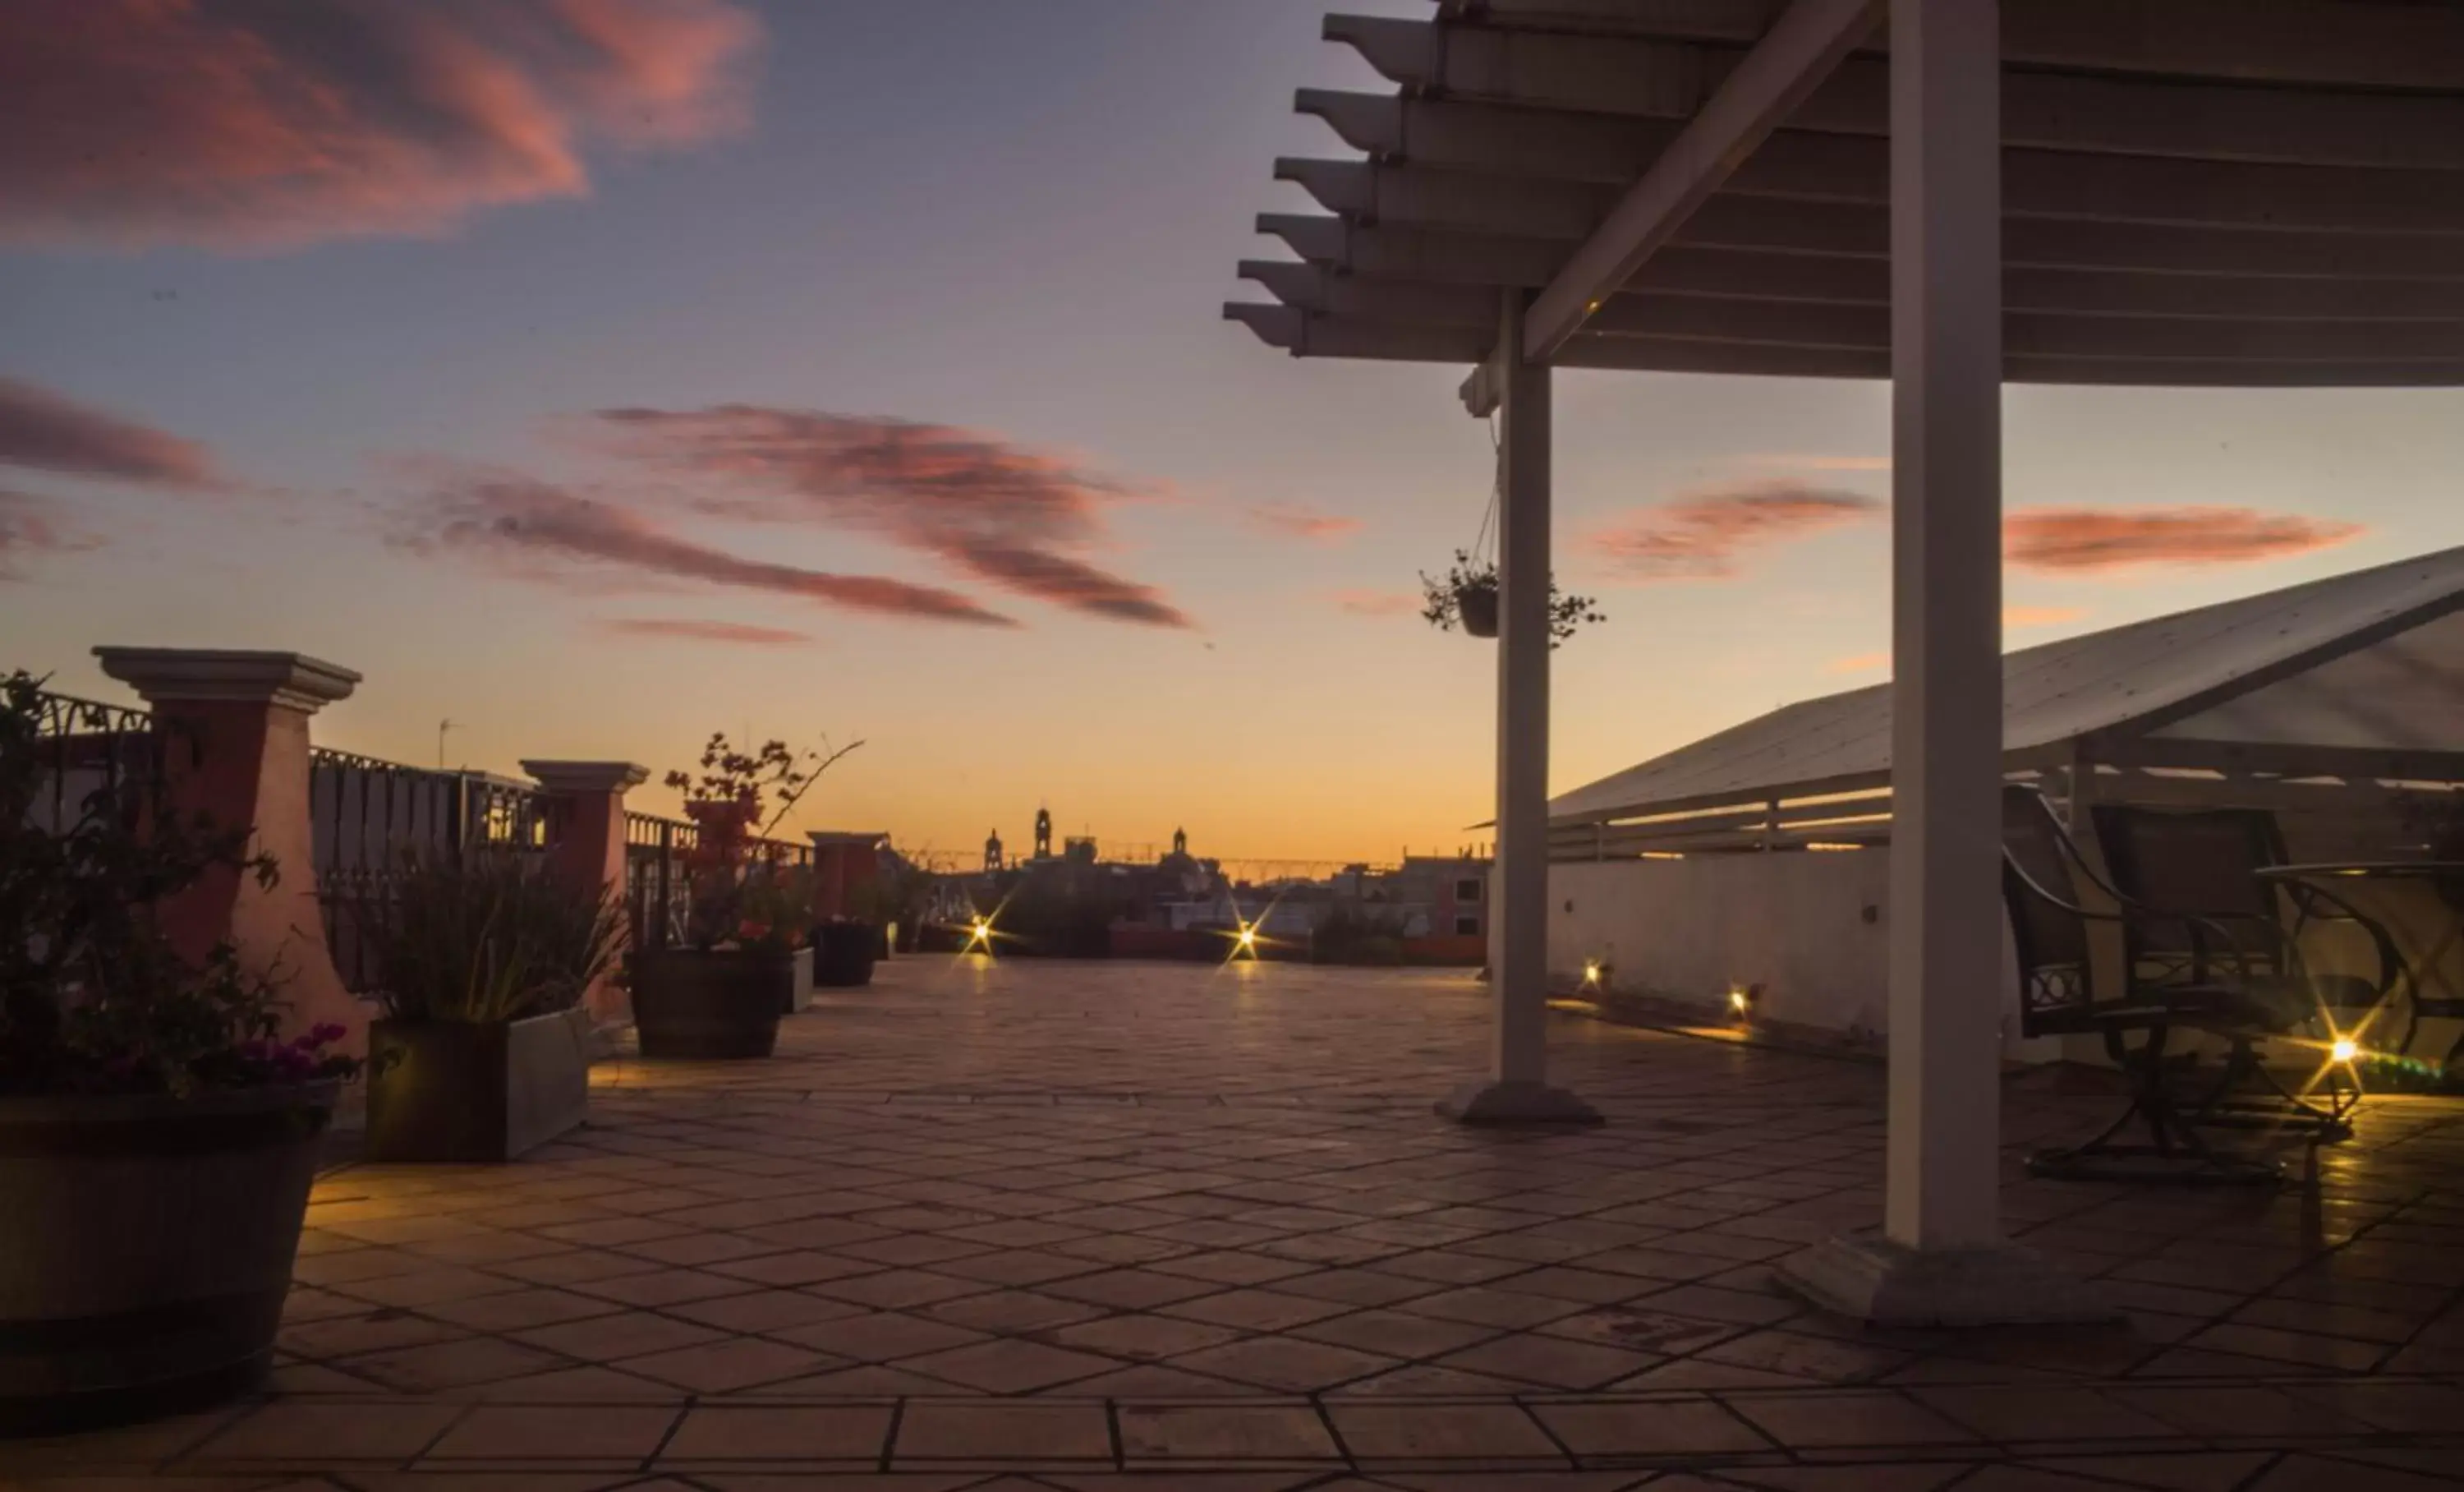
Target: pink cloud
691 629
544 532
2085 540
1300 523
32 525
241 124
45 431
1858 663
1023 520
1378 603
1701 535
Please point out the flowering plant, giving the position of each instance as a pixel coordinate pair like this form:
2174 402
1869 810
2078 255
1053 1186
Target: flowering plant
1471 585
94 996
738 898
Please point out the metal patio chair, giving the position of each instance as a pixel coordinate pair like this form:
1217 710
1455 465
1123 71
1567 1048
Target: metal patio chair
2042 871
2207 861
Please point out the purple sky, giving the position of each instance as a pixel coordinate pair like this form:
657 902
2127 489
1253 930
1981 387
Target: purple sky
600 373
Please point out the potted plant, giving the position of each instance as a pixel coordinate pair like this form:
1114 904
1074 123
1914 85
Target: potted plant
482 961
777 915
1466 596
158 1137
844 949
721 994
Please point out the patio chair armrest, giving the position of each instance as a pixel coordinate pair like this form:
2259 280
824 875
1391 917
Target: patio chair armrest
2393 969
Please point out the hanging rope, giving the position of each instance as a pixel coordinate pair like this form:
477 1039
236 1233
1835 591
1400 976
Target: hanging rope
1484 549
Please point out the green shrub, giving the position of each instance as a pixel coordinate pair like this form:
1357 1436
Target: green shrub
487 938
93 996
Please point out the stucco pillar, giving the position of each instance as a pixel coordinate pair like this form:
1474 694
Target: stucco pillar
235 727
1940 1258
1517 1090
587 808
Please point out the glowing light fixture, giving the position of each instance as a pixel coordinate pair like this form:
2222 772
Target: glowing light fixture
1591 971
980 936
2344 1049
1248 938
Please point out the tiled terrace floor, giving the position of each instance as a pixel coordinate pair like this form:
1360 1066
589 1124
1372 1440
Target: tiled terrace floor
1123 1226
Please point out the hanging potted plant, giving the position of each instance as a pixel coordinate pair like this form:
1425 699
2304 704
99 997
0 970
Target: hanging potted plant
484 1050
158 1136
743 958
1466 596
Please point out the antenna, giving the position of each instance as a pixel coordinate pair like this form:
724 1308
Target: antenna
442 726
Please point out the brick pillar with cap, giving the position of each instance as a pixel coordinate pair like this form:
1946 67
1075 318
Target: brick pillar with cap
587 810
236 725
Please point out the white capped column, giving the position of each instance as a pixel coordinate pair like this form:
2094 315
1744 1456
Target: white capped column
1940 1258
1517 1089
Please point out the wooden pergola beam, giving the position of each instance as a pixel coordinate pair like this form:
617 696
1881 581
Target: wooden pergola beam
2366 44
1794 57
2084 116
1835 172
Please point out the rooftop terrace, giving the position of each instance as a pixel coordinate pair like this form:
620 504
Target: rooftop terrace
1122 1226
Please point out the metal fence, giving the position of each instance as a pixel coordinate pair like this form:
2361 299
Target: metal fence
87 747
370 819
659 871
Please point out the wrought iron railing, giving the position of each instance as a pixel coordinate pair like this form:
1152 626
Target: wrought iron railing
659 870
370 819
89 746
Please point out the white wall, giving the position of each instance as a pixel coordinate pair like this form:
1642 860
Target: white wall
1796 923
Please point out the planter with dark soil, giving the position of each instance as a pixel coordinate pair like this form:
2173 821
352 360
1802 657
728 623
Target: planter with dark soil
1477 606
448 1090
145 1247
715 1003
843 954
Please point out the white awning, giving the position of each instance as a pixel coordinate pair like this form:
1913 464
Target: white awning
2360 673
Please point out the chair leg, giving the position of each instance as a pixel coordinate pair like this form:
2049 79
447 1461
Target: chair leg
2175 1151
2230 1105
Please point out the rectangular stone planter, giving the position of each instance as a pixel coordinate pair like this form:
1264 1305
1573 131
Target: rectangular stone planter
712 1004
800 992
449 1091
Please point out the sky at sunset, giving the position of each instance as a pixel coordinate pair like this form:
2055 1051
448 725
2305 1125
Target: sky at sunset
602 373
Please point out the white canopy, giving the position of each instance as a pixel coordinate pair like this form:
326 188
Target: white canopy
2361 672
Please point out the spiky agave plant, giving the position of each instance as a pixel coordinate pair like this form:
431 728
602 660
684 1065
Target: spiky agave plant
487 938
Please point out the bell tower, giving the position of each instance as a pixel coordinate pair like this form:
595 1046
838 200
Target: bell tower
992 851
1044 833
1181 842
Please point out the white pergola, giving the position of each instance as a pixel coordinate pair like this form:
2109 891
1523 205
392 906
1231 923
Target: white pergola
1949 193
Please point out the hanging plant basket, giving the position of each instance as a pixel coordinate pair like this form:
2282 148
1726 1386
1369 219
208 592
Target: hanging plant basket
1477 606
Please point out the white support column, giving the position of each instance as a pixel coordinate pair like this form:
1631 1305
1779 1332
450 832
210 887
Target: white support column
1946 623
1940 1259
1517 1088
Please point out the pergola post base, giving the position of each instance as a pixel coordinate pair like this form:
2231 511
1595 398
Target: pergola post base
1492 1102
1871 1279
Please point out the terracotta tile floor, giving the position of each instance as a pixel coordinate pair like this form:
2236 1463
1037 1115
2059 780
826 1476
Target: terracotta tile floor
1146 1226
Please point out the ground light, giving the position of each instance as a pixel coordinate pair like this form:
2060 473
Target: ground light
980 936
2344 1050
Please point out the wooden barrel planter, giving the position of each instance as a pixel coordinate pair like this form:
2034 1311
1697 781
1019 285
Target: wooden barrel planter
694 1004
146 1248
446 1090
843 954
